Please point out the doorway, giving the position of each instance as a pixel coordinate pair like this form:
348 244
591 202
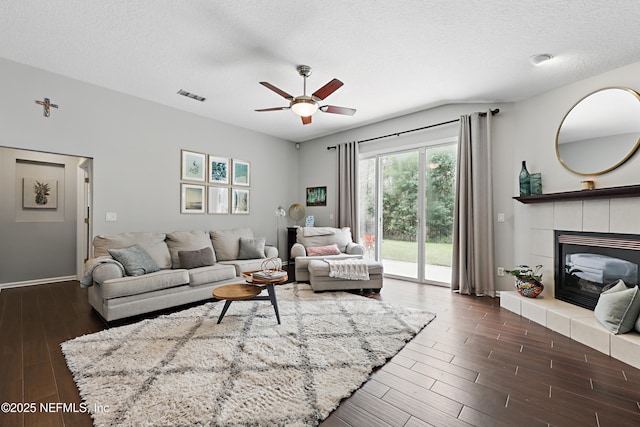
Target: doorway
44 217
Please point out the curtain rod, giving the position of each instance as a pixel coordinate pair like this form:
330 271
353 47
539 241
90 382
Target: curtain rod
493 113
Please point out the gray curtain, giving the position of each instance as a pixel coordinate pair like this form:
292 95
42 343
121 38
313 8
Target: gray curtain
347 186
473 222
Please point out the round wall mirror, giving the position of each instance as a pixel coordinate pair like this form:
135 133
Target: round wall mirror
600 132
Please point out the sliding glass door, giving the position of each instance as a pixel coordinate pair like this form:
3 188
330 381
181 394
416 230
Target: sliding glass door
439 204
406 211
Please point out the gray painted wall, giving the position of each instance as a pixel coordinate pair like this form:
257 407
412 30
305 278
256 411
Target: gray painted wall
135 146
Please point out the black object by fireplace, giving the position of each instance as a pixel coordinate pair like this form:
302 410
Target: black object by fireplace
586 262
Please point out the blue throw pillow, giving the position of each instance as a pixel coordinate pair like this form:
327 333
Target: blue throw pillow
135 260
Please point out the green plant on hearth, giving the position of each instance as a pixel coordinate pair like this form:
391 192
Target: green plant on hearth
526 273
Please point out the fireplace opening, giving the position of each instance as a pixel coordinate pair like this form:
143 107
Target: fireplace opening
587 262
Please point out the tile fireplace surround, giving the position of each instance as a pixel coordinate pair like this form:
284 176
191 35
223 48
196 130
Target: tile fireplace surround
601 216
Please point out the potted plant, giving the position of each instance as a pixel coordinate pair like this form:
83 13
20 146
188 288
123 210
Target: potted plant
528 280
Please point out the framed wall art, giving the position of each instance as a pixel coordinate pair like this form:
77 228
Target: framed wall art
218 170
241 172
193 166
39 193
192 198
239 201
218 200
316 196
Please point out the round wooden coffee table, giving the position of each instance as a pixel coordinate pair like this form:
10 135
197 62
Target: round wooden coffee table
238 292
269 283
244 292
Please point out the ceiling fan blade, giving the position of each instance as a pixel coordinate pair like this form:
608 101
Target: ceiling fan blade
338 110
328 89
273 109
277 90
306 120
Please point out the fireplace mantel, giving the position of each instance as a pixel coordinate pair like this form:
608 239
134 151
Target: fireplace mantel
598 193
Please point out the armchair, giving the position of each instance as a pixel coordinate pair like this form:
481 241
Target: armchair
322 243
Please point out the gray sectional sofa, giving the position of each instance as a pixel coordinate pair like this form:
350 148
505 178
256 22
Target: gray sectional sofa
189 264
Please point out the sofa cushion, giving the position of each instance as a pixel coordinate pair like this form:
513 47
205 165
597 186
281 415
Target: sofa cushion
135 260
208 275
252 248
244 265
194 259
309 237
618 308
226 243
187 241
153 243
133 285
331 249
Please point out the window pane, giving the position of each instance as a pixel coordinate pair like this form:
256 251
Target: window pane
440 176
400 214
367 207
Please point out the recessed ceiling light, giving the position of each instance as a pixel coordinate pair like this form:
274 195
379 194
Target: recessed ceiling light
539 59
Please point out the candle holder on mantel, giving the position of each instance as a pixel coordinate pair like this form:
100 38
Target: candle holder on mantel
588 184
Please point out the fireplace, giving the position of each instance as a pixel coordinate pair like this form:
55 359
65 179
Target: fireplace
586 262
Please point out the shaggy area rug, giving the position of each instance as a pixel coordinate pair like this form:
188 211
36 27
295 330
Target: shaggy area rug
184 369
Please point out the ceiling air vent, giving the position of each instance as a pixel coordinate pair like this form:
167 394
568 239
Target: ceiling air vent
191 95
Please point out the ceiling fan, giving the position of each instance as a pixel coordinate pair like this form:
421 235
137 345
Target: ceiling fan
305 106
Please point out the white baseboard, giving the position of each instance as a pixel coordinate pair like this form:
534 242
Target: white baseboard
37 282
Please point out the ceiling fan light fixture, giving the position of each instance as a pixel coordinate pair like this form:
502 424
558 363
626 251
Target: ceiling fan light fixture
304 107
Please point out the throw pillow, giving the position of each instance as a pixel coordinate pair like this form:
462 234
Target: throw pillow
187 241
323 250
226 243
252 248
135 260
194 259
618 308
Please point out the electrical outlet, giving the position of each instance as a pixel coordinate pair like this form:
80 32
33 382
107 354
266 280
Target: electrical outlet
501 217
111 217
500 271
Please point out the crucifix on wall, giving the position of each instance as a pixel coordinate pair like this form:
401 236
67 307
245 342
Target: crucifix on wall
46 104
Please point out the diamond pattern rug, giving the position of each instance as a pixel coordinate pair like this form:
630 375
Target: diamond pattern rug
184 369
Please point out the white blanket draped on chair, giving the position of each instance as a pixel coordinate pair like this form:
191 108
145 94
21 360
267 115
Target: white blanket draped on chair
349 269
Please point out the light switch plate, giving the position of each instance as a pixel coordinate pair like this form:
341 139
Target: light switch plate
111 217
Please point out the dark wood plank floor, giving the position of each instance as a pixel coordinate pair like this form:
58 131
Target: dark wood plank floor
476 364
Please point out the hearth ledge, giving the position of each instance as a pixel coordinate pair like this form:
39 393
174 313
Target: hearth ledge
576 323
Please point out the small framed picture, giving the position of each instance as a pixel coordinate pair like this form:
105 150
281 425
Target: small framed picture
218 170
193 166
39 193
192 198
316 196
239 201
241 172
218 200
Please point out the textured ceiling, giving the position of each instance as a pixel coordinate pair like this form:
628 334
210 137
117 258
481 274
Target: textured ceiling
395 57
